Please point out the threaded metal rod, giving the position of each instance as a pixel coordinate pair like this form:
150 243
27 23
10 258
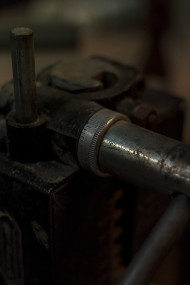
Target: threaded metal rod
22 51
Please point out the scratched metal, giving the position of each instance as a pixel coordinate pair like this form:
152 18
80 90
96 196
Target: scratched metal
146 159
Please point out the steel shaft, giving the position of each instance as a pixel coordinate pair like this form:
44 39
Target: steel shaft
22 50
145 159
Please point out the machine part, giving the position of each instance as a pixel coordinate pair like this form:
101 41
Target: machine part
92 136
11 255
65 234
26 130
161 239
27 142
147 153
139 112
69 77
104 79
22 49
125 150
52 198
142 157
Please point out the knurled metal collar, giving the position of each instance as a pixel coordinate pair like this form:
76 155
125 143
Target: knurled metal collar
91 138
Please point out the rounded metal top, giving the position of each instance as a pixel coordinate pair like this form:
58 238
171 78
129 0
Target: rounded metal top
21 32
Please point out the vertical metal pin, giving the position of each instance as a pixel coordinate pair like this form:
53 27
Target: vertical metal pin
22 51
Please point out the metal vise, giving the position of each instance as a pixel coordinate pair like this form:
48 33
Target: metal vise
85 151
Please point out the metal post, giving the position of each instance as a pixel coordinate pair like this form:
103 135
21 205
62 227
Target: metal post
22 49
